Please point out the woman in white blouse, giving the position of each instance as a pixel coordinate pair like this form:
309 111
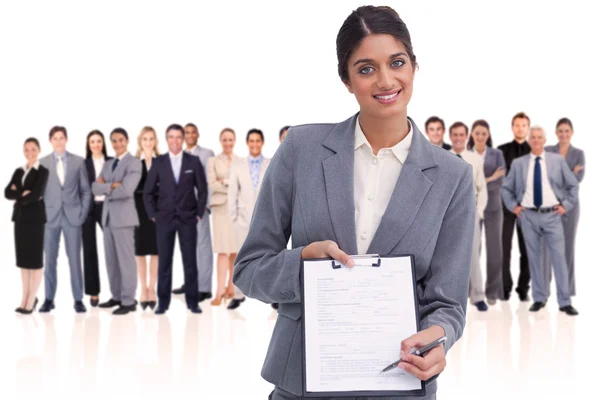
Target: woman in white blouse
95 157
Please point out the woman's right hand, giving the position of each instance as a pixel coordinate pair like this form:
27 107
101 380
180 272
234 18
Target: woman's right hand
498 173
327 248
13 187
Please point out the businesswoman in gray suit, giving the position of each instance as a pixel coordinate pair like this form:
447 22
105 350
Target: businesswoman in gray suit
370 184
494 169
576 161
26 188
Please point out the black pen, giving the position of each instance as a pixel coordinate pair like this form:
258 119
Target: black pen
419 352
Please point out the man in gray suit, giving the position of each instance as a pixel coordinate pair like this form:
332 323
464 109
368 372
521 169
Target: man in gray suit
539 189
117 181
204 252
68 198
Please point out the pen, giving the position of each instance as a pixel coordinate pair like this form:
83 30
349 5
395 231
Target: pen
419 352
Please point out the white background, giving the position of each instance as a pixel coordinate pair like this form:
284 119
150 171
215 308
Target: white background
99 65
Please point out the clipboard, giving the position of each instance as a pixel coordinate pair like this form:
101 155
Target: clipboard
362 261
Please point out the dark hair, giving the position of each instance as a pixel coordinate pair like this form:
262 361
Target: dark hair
226 130
56 129
433 120
285 128
189 124
175 127
255 131
88 150
119 131
34 141
480 122
364 21
520 115
564 121
458 124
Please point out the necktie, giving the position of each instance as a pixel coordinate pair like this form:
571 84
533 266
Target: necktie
60 170
115 164
459 156
537 183
176 169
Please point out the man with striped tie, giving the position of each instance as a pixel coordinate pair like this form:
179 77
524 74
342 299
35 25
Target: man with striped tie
539 189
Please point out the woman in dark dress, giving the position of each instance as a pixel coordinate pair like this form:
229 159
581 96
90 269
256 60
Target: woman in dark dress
26 188
145 233
95 157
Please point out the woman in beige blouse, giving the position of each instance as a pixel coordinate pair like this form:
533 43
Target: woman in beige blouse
223 234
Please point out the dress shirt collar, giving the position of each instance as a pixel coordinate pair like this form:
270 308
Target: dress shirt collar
400 149
459 154
179 155
62 156
121 156
542 156
258 159
190 151
34 166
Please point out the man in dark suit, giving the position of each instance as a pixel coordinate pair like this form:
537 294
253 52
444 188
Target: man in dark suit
515 149
176 211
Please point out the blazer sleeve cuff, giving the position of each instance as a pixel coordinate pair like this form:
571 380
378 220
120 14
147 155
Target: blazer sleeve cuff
448 330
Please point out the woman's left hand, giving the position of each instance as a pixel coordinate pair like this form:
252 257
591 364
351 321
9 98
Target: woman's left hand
25 193
432 363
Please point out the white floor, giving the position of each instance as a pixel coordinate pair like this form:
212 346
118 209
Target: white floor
505 353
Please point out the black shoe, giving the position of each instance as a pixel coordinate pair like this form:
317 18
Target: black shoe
235 303
25 311
537 306
47 306
79 307
151 304
180 290
204 296
122 310
110 304
523 295
481 306
94 302
195 309
569 310
275 306
506 296
160 310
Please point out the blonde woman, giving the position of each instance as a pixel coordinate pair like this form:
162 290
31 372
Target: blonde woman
224 243
145 233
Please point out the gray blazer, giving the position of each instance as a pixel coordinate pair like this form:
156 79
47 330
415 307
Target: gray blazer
74 197
119 203
307 192
493 160
204 154
574 157
562 179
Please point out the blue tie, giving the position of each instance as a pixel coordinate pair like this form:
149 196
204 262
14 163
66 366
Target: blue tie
115 164
537 183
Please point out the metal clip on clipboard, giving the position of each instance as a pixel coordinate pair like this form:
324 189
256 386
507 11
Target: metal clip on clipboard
360 257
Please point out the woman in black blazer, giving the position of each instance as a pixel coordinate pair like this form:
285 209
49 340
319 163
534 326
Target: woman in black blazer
95 157
26 187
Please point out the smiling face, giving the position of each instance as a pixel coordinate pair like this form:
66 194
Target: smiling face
31 152
537 140
175 141
96 145
191 136
520 127
148 142
458 136
255 144
381 76
480 135
119 143
227 142
435 132
564 134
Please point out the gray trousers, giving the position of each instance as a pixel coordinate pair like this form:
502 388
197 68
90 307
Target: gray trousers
121 268
280 394
204 254
476 292
72 235
548 226
494 219
569 222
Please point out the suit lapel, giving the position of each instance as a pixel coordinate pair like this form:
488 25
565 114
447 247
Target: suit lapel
185 158
339 183
411 189
91 169
526 170
29 178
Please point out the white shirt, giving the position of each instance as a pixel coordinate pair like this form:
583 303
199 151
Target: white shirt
36 166
375 178
98 164
548 197
481 195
